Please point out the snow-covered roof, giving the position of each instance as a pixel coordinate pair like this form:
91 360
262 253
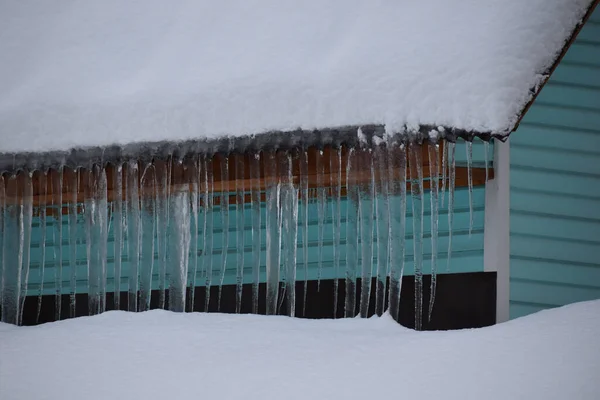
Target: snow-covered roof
553 354
81 73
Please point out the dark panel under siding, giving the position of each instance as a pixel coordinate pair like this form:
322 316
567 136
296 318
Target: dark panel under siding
462 301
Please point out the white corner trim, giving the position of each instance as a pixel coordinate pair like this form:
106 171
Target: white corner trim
496 250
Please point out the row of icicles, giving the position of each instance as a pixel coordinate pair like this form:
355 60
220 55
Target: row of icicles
151 226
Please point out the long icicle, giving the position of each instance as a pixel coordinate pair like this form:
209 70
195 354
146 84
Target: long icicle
321 213
148 227
57 183
336 186
397 162
256 227
434 156
273 232
416 185
305 203
290 228
451 186
351 233
470 183
382 226
240 245
27 213
103 226
179 239
2 263
43 189
225 224
133 234
194 173
367 210
12 251
163 173
208 230
118 231
73 184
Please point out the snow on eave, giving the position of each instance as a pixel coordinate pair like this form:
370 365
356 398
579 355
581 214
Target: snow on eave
538 88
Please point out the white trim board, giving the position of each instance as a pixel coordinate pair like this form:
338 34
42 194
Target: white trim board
496 251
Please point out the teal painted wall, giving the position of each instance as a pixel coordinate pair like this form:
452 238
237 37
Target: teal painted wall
555 186
467 253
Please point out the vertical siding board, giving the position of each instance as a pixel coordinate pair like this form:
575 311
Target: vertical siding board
555 186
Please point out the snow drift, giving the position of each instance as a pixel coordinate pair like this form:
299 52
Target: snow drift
553 354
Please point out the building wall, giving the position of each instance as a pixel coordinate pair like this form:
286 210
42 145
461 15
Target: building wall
555 186
467 249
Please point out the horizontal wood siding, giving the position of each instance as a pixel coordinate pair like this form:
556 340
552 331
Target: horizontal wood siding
555 186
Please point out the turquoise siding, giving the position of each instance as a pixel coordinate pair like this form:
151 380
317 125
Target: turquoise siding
555 186
467 253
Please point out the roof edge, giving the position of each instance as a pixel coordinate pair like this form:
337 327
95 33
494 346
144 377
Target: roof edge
347 136
547 74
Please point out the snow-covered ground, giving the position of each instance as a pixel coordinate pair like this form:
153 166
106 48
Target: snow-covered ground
75 73
161 355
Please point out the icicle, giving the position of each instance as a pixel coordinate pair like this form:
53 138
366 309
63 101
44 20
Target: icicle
321 213
133 233
57 187
193 267
73 185
179 251
434 156
367 210
470 181
103 235
486 150
416 185
289 202
43 189
256 227
208 229
382 207
240 246
2 264
148 228
444 169
118 230
397 171
163 177
224 222
26 220
336 186
305 203
273 232
451 186
12 251
351 234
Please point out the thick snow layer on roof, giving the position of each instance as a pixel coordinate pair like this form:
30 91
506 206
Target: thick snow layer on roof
160 355
81 73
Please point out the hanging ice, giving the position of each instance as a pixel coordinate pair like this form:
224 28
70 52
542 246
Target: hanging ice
351 234
397 172
179 240
433 150
416 188
224 207
148 227
240 231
